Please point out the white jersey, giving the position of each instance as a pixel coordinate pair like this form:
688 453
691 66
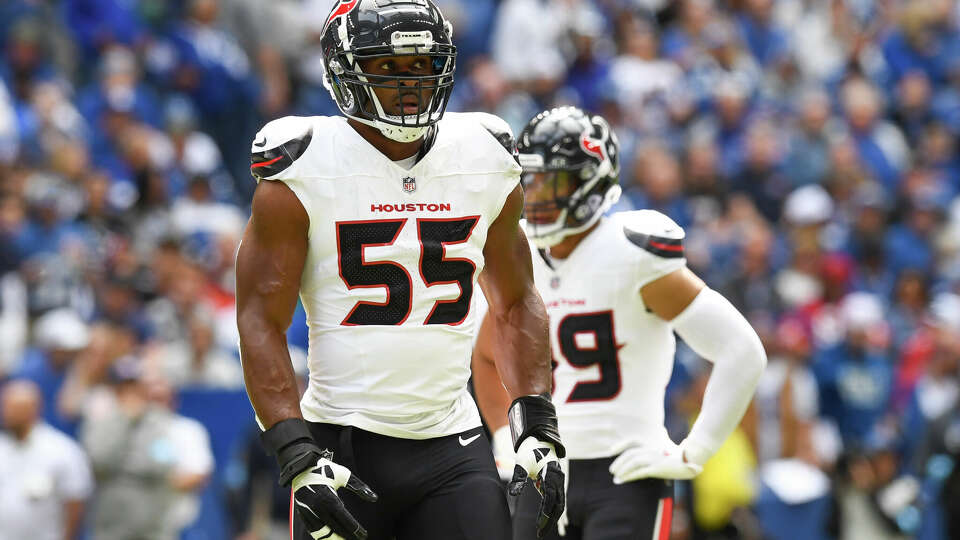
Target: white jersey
613 357
392 265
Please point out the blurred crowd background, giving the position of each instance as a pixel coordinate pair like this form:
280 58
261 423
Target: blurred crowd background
811 148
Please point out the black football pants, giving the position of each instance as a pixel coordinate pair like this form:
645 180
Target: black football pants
445 488
598 509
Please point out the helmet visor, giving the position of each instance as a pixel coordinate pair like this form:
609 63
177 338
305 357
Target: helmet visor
546 194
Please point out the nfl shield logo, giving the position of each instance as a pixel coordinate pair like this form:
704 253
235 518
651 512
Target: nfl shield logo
409 184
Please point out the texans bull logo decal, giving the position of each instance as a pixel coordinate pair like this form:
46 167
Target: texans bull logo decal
346 6
592 146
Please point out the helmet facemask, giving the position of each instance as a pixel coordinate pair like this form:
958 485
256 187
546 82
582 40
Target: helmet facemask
580 197
354 90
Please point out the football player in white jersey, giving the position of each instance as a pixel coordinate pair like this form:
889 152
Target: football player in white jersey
384 222
616 289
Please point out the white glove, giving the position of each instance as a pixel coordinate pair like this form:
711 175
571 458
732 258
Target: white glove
564 520
537 460
316 502
663 460
503 453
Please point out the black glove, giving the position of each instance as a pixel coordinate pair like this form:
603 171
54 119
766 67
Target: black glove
314 479
316 501
536 440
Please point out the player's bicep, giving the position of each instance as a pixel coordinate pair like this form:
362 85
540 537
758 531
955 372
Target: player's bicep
669 295
508 273
271 257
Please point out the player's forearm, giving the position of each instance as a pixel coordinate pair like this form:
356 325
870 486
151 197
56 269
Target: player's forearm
523 346
728 394
492 398
267 371
715 330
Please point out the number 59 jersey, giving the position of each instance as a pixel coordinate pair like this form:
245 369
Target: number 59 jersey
393 260
613 358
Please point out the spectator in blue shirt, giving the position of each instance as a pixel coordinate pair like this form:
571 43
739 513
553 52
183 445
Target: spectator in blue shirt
658 183
685 40
855 377
912 100
46 232
864 240
118 87
939 152
26 61
808 158
116 98
761 176
910 243
732 107
766 42
587 75
881 146
119 303
215 71
12 11
946 100
59 336
909 305
726 60
211 65
98 24
925 41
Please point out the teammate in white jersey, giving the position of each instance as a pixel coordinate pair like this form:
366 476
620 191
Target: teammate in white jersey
616 289
384 222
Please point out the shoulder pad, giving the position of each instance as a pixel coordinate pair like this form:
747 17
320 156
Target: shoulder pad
500 130
279 144
653 232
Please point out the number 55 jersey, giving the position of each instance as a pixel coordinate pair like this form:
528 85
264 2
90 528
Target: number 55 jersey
393 260
613 358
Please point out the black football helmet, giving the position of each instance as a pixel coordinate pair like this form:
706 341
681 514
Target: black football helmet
363 29
576 148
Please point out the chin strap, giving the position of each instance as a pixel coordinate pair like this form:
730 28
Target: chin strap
401 134
395 133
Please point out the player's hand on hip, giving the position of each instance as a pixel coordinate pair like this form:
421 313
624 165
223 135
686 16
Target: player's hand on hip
537 460
318 505
653 460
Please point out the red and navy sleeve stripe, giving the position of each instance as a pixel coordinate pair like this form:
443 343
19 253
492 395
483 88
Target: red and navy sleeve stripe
276 160
661 246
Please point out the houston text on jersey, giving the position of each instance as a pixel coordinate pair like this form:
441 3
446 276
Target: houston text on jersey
410 207
565 302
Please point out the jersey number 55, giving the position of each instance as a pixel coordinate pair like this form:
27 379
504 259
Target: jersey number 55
435 269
